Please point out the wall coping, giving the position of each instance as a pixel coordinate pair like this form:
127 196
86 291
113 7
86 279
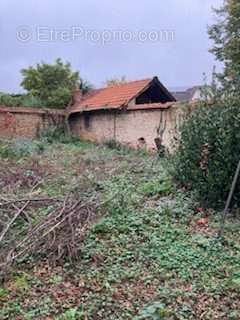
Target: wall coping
140 107
60 112
28 110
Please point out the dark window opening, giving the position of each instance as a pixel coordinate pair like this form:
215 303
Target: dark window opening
87 121
153 94
141 142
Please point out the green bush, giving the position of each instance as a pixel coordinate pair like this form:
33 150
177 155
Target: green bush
10 100
57 134
26 100
30 101
209 152
20 148
51 83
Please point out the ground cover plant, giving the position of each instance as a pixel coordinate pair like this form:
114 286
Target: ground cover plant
147 252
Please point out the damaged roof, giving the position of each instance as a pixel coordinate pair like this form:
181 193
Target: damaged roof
117 96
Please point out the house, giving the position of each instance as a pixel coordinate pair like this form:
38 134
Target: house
138 113
190 95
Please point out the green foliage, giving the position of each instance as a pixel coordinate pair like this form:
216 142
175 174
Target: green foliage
153 247
20 148
157 311
26 100
163 186
47 86
21 282
145 256
55 279
57 135
10 100
72 314
51 83
225 34
209 152
58 98
3 293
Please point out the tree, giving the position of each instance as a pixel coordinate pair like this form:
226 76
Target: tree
208 152
226 36
51 83
116 81
85 86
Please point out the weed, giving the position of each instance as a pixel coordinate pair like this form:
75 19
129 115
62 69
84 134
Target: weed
72 314
3 293
20 282
158 187
156 311
57 135
20 148
55 279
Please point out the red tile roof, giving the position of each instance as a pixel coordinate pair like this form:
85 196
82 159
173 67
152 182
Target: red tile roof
114 97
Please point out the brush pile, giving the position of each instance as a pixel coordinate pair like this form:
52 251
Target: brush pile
56 235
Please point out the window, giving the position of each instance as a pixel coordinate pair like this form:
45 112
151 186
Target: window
87 121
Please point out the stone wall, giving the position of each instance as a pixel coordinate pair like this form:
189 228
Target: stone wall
136 128
22 122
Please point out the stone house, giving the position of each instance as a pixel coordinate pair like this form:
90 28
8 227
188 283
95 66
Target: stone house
138 114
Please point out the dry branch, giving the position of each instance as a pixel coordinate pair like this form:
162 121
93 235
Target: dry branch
15 201
18 213
57 236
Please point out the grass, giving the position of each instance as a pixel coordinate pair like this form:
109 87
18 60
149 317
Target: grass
147 257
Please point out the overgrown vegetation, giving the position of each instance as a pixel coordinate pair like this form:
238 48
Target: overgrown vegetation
225 34
209 152
26 100
20 148
150 253
209 147
51 83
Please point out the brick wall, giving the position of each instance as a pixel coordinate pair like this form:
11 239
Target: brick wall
22 122
135 128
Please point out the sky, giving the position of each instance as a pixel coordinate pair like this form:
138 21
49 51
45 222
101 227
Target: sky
106 39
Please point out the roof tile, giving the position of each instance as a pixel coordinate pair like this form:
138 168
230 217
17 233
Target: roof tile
111 97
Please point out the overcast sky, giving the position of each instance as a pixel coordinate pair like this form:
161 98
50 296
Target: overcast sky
105 38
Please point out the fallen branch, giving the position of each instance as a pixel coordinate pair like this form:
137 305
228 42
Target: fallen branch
12 201
59 234
18 213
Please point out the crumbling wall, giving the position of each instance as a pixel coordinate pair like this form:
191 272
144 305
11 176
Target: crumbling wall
27 122
136 128
93 126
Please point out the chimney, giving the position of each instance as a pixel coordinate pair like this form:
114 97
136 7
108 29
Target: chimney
77 96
